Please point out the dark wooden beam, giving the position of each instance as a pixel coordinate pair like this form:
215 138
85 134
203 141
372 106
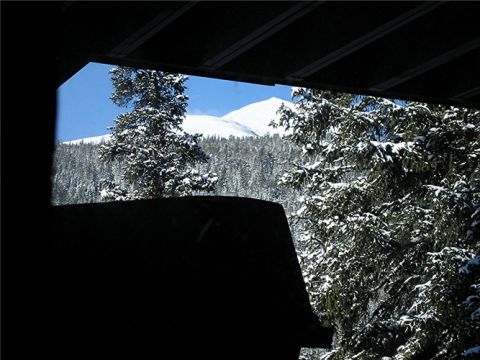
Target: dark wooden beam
467 94
428 65
262 33
364 40
150 29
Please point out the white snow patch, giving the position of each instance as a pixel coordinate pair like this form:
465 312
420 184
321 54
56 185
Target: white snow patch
90 140
394 147
215 126
257 116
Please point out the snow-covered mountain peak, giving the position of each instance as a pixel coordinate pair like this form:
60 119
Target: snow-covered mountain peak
257 116
250 120
268 106
214 126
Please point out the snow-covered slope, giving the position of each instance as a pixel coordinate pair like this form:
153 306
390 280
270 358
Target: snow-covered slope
214 126
250 120
257 116
90 140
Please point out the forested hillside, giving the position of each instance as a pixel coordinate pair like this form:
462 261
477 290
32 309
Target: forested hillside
247 167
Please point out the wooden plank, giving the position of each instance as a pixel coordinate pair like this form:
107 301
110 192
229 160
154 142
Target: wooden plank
428 65
150 29
364 40
261 34
467 94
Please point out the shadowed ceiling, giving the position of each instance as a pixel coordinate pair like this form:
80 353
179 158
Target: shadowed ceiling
424 51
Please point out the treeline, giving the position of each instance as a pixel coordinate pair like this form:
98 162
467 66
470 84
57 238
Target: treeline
246 167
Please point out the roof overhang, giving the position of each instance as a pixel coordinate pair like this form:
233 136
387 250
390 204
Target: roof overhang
423 51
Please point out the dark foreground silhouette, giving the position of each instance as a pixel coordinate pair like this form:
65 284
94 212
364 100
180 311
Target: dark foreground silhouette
178 278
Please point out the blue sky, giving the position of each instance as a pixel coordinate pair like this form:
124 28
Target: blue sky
84 108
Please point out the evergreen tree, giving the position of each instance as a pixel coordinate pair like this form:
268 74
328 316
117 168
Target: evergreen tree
156 153
388 219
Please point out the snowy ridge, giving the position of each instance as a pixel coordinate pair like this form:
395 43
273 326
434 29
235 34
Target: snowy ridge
90 140
257 116
215 126
250 120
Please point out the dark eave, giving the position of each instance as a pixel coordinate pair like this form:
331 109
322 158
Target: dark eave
422 51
